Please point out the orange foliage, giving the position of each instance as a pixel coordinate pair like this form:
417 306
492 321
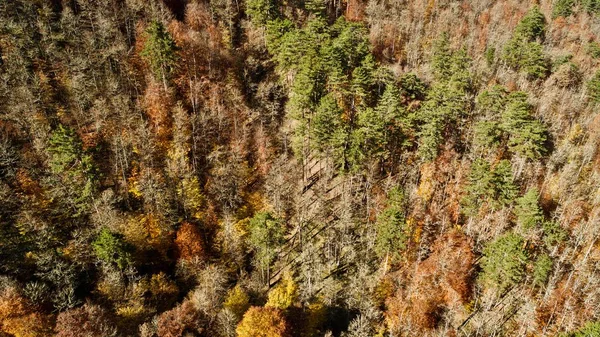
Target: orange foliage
189 243
158 107
355 10
441 280
263 322
18 317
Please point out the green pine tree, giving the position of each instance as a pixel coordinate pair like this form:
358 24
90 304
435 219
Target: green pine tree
528 212
503 262
160 51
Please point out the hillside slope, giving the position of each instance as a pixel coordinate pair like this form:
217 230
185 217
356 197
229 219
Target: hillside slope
302 168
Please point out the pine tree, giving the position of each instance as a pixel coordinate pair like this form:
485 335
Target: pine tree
505 189
261 12
532 26
441 61
541 269
74 168
527 210
160 51
527 135
266 235
112 249
593 88
503 262
391 227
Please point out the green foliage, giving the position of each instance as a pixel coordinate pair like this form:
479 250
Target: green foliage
412 87
363 81
541 270
112 249
316 6
523 51
486 134
65 149
503 262
160 50
493 186
505 189
326 121
73 166
527 210
261 12
448 100
490 56
533 61
442 58
266 235
392 229
430 138
562 8
559 61
492 101
369 137
527 136
591 329
593 49
591 6
593 88
532 26
553 233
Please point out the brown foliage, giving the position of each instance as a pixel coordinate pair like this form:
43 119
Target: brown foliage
441 280
189 243
177 321
19 318
86 321
158 107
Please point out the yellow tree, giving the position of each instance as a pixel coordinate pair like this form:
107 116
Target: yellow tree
284 294
263 322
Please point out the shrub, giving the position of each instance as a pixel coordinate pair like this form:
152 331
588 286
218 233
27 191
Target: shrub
593 49
593 88
562 8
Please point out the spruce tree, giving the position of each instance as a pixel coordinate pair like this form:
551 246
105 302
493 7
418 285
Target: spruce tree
160 51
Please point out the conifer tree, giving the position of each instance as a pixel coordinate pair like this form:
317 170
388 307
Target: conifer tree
160 51
503 262
527 210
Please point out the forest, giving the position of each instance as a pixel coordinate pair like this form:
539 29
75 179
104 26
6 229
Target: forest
299 168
